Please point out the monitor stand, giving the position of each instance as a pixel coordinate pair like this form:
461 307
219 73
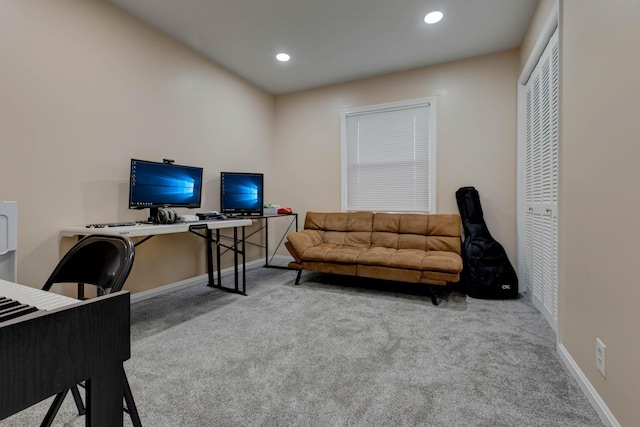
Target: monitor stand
243 214
153 214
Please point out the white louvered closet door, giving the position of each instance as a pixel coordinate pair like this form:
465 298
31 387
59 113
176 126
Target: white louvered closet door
541 182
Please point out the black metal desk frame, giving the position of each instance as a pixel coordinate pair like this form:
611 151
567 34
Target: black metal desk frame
268 262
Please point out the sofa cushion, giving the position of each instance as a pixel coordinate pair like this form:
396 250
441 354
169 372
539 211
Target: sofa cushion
341 228
328 252
339 221
439 232
387 257
446 262
360 239
412 259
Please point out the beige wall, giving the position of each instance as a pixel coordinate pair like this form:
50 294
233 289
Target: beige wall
539 19
599 176
599 183
84 88
476 136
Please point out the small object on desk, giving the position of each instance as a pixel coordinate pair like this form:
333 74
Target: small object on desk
111 224
285 211
207 215
222 216
270 209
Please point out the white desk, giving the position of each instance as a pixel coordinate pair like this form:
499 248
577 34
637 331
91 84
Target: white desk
154 229
147 231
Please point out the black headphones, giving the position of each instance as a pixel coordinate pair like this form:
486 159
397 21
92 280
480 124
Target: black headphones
166 216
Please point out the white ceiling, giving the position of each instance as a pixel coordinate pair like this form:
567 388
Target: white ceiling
333 41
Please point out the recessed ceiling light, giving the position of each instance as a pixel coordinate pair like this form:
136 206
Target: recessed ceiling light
433 17
283 57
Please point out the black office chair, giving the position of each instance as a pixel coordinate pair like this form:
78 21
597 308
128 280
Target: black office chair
104 262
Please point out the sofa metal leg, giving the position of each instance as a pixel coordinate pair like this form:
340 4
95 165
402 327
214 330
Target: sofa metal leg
433 295
298 277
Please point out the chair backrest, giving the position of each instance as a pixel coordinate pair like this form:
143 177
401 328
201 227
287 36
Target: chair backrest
99 260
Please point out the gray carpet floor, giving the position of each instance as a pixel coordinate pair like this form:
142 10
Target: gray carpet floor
340 352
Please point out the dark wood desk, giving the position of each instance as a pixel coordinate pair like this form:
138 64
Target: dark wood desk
46 352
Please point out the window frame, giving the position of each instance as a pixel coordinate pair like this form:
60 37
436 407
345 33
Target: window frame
432 144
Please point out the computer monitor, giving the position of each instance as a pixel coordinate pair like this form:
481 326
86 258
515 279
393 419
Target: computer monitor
241 193
156 185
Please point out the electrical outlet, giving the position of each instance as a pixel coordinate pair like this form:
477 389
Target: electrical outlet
601 357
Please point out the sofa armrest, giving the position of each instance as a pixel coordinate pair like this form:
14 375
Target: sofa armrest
296 256
299 241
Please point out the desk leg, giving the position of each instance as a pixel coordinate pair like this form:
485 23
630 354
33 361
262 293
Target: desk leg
218 257
235 257
104 398
237 244
244 266
80 285
266 242
210 257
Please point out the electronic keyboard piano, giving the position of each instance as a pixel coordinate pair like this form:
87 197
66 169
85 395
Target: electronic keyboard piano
50 342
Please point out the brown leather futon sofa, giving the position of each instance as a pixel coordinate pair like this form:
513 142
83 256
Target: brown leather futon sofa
415 248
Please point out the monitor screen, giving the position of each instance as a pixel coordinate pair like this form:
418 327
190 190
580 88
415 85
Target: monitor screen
241 193
154 185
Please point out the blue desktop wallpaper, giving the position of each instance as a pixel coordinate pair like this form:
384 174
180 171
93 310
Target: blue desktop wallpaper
157 184
242 192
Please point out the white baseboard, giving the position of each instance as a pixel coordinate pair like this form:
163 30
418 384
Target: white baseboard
598 404
150 293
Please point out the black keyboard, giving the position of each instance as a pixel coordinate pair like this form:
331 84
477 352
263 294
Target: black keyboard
111 224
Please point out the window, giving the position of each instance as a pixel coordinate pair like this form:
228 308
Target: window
388 157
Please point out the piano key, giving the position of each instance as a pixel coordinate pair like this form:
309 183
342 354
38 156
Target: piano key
8 303
10 306
18 311
38 298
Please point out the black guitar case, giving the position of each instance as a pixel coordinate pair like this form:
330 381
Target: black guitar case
487 272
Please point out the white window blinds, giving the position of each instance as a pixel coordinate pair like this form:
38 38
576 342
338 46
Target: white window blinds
388 157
